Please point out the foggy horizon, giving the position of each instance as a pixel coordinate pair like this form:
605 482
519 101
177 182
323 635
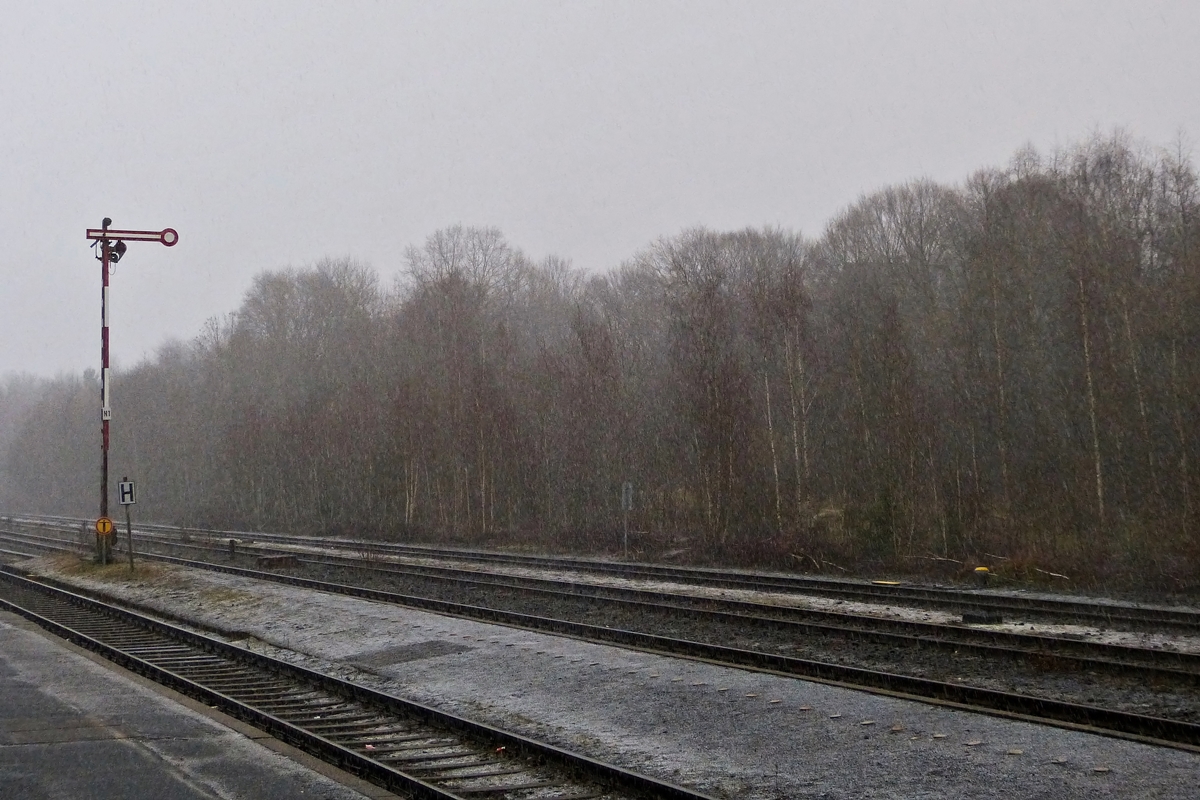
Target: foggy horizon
271 137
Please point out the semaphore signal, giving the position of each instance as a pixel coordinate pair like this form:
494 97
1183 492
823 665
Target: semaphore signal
112 249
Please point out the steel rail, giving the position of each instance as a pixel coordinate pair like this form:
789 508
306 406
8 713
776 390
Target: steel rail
1150 664
954 599
362 713
1119 724
15 553
1174 664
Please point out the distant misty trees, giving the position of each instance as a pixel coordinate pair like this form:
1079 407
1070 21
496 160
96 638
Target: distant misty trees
1006 367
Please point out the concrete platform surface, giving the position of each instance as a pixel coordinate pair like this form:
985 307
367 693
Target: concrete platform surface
72 728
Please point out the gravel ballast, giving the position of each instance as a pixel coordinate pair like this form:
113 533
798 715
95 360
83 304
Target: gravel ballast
728 732
1129 693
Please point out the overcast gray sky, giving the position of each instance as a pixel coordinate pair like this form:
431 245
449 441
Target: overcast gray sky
274 134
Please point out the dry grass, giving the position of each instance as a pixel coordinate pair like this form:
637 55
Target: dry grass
224 594
148 573
68 565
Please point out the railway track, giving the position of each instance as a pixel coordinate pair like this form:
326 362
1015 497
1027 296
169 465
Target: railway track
955 600
1124 724
1046 652
403 746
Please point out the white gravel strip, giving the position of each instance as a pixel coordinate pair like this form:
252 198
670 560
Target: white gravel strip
725 731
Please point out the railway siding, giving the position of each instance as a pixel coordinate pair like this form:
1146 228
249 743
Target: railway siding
427 754
657 714
946 665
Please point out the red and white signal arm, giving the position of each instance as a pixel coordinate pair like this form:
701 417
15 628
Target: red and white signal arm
167 236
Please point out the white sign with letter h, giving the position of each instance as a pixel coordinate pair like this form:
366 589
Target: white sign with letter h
125 492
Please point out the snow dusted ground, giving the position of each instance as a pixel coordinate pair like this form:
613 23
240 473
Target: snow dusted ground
725 731
1164 641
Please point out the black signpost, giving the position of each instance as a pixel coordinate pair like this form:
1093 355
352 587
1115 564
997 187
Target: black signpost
626 507
125 491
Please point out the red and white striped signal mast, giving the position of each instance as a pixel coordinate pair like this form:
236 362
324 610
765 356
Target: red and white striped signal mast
112 249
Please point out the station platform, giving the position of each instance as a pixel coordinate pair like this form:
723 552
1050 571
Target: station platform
75 726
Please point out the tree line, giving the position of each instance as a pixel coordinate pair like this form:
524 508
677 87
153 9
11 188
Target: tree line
1003 370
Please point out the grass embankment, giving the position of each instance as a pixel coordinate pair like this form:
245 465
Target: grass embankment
71 565
80 570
